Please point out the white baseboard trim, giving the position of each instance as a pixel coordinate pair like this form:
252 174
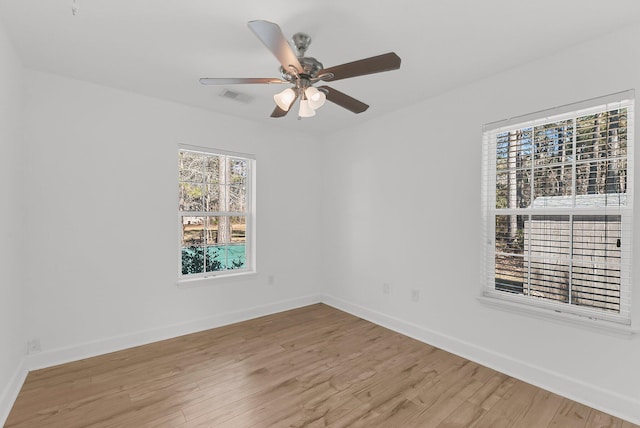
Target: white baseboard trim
118 343
10 392
103 346
627 408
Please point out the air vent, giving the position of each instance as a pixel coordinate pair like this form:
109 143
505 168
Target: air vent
236 96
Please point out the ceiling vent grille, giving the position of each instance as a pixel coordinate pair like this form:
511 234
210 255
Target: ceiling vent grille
236 96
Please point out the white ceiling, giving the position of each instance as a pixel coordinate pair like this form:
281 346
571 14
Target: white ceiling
161 47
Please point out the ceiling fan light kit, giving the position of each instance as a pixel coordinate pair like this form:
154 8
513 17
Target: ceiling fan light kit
305 109
303 72
285 99
316 98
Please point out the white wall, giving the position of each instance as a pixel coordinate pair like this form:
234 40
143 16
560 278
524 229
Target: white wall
101 192
12 322
402 202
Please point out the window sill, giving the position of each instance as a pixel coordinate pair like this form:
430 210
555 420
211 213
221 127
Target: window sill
566 318
215 278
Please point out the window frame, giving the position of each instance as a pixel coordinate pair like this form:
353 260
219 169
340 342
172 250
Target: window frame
250 222
490 294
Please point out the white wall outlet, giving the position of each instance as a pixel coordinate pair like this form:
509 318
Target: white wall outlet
271 279
386 288
415 295
33 346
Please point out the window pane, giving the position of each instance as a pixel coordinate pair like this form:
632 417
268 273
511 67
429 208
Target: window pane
553 143
502 190
602 135
550 278
513 189
596 285
549 240
223 257
216 258
552 187
237 198
192 245
597 239
192 260
513 149
511 273
211 230
212 169
510 234
238 229
224 198
190 166
222 227
218 230
237 171
608 177
191 197
212 198
548 236
236 256
192 231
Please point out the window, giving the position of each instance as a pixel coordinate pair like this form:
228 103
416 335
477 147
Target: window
557 208
215 212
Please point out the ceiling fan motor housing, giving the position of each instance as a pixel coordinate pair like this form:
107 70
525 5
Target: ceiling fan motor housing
310 69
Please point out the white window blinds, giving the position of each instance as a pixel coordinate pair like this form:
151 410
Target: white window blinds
557 208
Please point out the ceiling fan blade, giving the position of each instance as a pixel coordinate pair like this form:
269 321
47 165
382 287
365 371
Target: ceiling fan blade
344 100
278 112
238 80
271 35
375 64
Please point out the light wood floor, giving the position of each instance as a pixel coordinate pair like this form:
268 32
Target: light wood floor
310 367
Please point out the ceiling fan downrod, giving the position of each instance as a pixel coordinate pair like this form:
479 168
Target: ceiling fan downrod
302 42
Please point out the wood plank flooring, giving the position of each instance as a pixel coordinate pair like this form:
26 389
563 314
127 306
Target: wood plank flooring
310 367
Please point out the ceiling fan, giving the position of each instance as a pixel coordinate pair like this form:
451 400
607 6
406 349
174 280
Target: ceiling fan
304 72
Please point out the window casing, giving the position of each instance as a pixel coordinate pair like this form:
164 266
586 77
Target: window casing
215 211
557 208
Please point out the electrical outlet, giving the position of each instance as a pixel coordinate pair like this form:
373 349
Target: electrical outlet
33 346
415 295
386 288
271 279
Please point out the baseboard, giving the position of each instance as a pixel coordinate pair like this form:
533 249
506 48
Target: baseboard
627 408
103 346
10 392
